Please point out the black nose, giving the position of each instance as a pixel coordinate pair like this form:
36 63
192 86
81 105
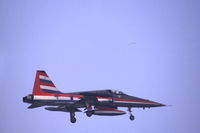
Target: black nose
162 105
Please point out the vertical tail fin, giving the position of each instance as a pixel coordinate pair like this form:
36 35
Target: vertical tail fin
43 85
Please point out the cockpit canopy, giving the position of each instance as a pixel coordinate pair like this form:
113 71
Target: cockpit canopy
116 92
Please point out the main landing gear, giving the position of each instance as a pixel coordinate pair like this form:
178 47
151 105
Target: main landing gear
72 117
88 110
89 113
132 117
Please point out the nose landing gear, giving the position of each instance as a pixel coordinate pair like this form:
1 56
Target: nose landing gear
132 117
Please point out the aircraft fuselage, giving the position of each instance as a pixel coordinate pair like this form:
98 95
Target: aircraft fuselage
99 102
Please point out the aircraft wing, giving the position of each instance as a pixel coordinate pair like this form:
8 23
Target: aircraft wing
62 108
90 97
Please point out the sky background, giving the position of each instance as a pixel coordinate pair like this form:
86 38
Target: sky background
149 49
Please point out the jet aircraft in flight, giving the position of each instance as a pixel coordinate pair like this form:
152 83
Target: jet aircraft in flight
99 102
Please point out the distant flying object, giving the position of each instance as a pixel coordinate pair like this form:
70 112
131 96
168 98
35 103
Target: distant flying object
99 102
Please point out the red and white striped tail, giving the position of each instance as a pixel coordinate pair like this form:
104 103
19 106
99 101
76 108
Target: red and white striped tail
43 85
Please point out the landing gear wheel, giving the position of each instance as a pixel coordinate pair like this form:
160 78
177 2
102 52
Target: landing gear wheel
132 117
73 120
89 113
72 117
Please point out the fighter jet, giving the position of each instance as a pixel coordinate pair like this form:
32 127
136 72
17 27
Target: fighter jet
98 102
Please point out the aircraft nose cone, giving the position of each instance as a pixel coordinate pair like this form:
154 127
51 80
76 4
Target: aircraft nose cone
156 104
160 105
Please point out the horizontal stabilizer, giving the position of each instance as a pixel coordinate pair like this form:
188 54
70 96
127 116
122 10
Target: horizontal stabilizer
35 106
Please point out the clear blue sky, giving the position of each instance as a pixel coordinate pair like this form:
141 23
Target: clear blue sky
148 49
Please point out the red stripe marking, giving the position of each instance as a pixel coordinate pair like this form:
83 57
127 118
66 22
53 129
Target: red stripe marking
126 100
43 74
47 84
104 97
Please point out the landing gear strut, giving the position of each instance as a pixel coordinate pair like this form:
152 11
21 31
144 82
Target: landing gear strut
72 117
132 117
